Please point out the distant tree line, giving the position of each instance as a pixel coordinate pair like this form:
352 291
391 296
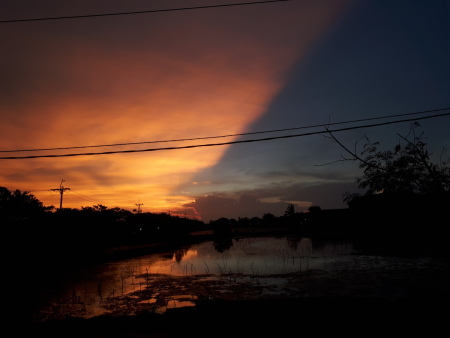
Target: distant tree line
97 227
84 234
407 200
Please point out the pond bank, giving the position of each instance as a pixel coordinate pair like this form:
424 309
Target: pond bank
361 317
423 285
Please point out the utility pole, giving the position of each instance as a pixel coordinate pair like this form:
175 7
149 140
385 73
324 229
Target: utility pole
138 210
61 190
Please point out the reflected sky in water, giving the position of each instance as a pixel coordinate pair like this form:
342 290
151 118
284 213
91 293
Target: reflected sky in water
248 256
150 280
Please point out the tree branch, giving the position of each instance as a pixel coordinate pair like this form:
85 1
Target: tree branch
355 157
422 158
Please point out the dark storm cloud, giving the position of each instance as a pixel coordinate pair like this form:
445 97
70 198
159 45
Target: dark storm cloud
328 195
325 195
272 198
213 207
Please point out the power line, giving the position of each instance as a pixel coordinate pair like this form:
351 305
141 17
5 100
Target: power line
142 12
224 143
86 198
230 135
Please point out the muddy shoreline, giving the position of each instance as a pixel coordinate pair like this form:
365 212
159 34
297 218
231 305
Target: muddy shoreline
362 317
402 302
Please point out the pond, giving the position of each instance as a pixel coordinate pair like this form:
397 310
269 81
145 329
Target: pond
238 268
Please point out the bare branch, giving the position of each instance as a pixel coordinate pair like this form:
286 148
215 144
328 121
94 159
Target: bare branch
443 163
341 160
354 155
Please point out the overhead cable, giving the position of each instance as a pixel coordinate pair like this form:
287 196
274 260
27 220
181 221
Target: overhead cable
142 12
229 135
327 130
83 197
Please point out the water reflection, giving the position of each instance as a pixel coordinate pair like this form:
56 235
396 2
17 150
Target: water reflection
248 255
223 244
159 282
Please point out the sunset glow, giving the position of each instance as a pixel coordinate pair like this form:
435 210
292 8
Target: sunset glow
214 79
83 84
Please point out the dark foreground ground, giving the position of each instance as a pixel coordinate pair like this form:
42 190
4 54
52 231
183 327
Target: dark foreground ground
419 307
320 317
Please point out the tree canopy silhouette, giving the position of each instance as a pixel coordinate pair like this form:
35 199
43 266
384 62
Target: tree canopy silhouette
18 206
408 168
407 195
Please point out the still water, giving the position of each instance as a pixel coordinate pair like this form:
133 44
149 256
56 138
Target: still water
241 267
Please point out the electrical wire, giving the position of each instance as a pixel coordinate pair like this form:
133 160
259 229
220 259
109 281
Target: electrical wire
143 12
86 198
230 135
223 143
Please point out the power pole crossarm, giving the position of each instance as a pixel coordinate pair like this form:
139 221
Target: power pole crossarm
61 190
138 210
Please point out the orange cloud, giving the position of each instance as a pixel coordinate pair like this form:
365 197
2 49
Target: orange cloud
197 78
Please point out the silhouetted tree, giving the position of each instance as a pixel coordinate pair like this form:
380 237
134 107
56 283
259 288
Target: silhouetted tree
98 207
290 210
255 222
269 220
314 209
405 169
407 195
222 227
18 206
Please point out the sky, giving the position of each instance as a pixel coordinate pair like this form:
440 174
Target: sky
115 84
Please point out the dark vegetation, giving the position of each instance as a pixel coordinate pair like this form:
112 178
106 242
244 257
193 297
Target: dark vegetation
71 237
407 198
405 210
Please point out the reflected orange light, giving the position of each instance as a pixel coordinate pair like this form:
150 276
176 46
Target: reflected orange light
187 255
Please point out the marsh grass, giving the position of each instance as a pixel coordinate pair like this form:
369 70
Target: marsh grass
138 289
